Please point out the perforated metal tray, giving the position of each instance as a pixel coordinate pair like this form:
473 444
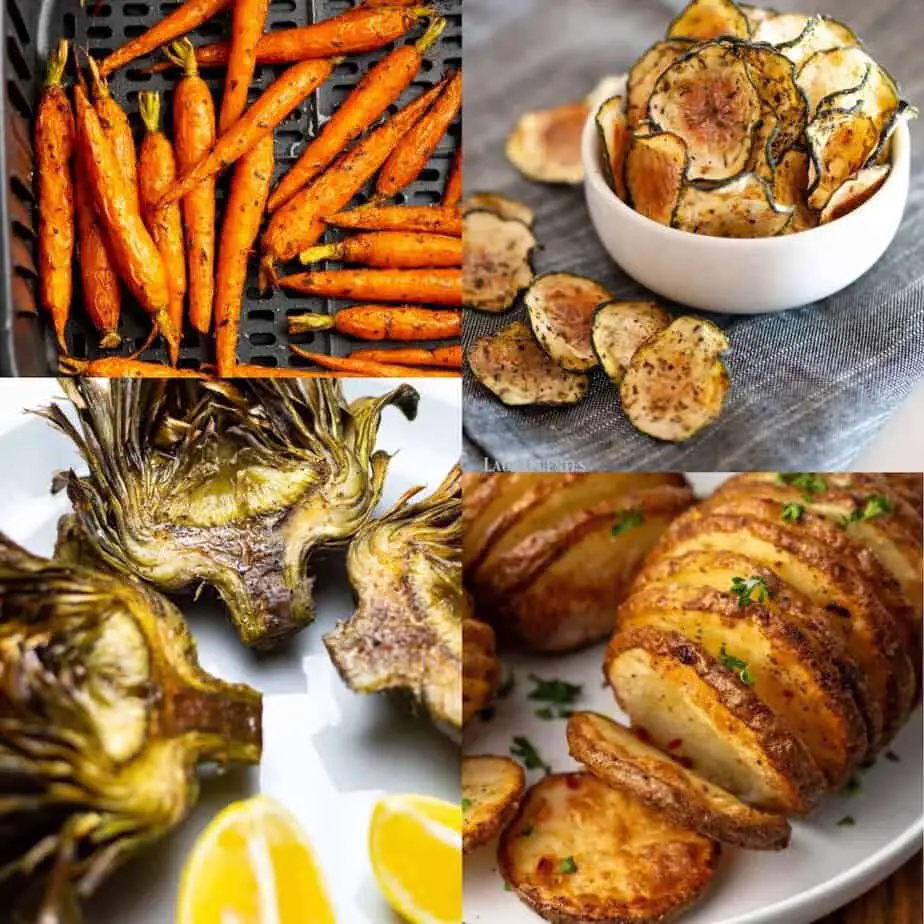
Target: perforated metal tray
30 28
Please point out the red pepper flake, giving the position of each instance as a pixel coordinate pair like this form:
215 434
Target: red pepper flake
573 781
673 745
642 734
545 866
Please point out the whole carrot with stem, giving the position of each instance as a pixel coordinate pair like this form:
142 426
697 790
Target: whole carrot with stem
453 194
432 219
416 148
383 322
194 136
118 367
391 249
447 357
430 286
367 367
156 171
379 89
248 19
54 153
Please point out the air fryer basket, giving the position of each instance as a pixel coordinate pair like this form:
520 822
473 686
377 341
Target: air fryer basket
31 28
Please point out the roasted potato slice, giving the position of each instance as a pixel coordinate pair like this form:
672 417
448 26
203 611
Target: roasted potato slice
840 143
622 760
676 384
496 266
620 328
546 146
790 182
513 366
561 308
501 205
852 193
743 208
491 791
580 852
655 167
645 73
709 19
613 131
480 667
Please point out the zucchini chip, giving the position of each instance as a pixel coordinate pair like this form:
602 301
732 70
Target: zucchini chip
755 15
708 19
676 384
852 194
620 759
790 181
546 145
613 132
607 88
580 852
820 34
840 143
883 153
743 207
497 265
780 28
620 328
491 791
561 309
501 205
655 167
645 73
708 100
519 372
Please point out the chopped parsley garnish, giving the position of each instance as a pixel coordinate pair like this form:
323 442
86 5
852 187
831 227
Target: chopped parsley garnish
545 713
750 590
848 821
854 786
873 506
628 520
741 668
506 687
809 483
466 804
557 692
792 513
567 866
524 749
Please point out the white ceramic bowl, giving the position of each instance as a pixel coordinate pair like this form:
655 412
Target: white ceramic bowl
744 276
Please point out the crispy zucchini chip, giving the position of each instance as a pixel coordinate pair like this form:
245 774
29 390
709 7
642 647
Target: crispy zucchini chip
743 207
518 371
496 267
790 182
883 153
645 73
840 144
606 88
561 309
546 145
707 98
613 131
799 36
853 193
756 15
654 170
501 205
480 667
620 328
491 791
676 384
580 852
622 760
708 19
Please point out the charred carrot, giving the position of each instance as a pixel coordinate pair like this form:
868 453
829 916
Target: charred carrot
427 218
453 194
432 286
391 249
246 204
300 222
194 135
183 20
380 322
280 99
54 153
156 171
367 367
416 148
448 357
249 371
118 367
248 20
381 87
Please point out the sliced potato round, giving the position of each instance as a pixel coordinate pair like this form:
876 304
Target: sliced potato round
619 758
496 265
606 88
790 182
519 372
500 205
480 667
853 193
491 791
676 384
645 73
561 308
654 171
620 328
613 131
743 207
707 98
708 19
546 145
840 144
580 852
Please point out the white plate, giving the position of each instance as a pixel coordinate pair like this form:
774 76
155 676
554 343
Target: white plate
329 754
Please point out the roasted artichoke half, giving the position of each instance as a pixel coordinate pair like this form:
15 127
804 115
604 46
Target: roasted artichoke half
232 486
406 634
105 715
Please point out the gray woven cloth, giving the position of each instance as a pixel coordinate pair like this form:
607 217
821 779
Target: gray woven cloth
810 387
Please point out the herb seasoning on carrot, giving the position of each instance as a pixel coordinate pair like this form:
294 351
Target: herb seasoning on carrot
118 367
367 367
391 249
431 286
381 322
248 20
453 194
448 357
433 219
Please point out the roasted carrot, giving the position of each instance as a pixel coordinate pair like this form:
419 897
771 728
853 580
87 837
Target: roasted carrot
300 222
410 156
432 286
453 194
447 357
194 135
391 249
380 322
249 371
118 367
367 367
183 20
248 20
54 154
133 251
280 99
428 218
372 3
381 87
246 203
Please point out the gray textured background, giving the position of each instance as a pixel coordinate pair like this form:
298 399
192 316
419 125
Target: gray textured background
811 387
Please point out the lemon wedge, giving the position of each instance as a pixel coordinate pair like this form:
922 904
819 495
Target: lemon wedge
415 844
253 865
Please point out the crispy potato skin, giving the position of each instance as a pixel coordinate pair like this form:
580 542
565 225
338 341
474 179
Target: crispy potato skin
493 785
480 668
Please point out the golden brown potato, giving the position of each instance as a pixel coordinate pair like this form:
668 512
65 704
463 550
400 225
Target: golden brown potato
491 791
480 668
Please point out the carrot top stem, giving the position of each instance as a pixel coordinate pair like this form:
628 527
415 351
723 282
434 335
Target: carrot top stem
310 323
430 37
183 55
57 64
149 107
99 84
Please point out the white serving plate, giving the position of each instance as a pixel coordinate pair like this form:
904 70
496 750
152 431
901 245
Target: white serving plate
329 753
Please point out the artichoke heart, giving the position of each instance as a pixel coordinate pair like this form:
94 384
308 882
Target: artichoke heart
105 716
230 486
406 571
